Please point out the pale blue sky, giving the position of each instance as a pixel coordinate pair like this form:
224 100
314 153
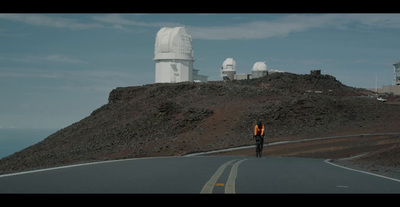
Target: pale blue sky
55 69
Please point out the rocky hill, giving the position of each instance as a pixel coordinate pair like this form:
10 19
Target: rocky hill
181 118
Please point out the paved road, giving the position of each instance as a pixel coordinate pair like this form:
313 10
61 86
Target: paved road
200 174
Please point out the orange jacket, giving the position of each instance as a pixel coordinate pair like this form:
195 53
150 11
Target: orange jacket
258 131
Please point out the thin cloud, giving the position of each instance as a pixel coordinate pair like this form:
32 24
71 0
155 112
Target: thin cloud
28 73
5 33
286 25
49 21
118 21
375 20
260 29
48 58
61 58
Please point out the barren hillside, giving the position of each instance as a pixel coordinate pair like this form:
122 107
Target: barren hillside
181 118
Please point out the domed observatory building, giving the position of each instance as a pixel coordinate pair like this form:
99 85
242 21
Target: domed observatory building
228 69
173 55
259 70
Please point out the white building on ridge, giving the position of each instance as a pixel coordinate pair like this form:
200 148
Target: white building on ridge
228 69
173 55
259 70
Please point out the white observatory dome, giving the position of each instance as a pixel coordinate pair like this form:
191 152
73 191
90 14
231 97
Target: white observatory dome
173 43
173 55
229 64
259 66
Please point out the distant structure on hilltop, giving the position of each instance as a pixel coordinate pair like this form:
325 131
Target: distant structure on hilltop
395 87
173 54
396 73
228 70
315 72
259 70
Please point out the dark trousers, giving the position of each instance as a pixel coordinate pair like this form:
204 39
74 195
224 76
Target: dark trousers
261 140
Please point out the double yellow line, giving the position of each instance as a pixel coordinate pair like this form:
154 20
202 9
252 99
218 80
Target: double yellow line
230 184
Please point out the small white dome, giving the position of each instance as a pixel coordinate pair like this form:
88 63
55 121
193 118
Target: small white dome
229 64
259 66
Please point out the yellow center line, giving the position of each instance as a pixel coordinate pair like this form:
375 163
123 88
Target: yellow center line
209 186
230 184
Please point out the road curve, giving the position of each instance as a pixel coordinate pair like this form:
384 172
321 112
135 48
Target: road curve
200 174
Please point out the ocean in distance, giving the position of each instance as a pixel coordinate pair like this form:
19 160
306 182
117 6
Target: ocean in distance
14 140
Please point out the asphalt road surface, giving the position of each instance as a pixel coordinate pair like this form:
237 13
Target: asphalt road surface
200 174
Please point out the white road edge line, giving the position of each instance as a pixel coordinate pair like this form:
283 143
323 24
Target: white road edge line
76 165
329 162
230 184
200 153
289 142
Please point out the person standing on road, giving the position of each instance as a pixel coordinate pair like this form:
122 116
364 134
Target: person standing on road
259 132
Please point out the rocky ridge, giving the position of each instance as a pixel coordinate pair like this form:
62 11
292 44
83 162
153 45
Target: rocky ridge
181 118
